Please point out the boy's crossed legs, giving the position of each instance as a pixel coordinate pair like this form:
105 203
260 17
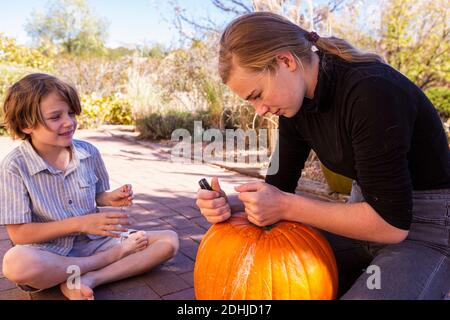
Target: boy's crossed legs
137 254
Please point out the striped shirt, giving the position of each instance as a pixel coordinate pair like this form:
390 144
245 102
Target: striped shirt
31 191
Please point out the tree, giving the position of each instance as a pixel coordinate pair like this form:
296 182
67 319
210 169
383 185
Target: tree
71 25
412 35
415 39
309 14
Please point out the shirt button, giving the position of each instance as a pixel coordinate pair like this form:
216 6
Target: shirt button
70 201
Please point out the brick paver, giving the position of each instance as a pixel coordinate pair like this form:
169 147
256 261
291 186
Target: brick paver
165 199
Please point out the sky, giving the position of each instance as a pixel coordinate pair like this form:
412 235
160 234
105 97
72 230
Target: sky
130 22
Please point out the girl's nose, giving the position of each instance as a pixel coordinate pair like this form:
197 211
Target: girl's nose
261 109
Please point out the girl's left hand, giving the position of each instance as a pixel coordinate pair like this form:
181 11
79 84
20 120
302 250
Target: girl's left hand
122 197
264 204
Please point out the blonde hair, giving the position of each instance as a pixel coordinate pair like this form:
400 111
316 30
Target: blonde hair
22 103
255 39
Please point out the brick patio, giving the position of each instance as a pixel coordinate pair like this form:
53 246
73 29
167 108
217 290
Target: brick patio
165 199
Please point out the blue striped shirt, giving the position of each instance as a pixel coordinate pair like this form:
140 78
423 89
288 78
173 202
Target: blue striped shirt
31 191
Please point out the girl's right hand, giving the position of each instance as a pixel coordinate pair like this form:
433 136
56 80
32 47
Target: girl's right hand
214 205
107 224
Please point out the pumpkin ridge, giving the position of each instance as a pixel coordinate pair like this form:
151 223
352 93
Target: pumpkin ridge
312 244
212 236
281 240
300 262
232 285
245 259
327 253
296 247
270 284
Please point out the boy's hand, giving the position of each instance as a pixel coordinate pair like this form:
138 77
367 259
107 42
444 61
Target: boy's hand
121 197
104 224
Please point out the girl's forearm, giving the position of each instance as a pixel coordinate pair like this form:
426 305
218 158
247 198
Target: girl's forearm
353 220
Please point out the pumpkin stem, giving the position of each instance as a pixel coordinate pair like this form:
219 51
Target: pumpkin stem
266 228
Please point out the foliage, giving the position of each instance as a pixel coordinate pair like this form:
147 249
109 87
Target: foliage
14 54
99 75
160 125
311 14
71 25
97 111
440 97
144 93
416 39
10 73
155 84
188 80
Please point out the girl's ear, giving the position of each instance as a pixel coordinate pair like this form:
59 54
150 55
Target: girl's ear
288 60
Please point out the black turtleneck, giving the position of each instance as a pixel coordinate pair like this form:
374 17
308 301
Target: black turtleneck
370 123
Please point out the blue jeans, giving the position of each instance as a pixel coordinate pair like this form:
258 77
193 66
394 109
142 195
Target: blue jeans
416 268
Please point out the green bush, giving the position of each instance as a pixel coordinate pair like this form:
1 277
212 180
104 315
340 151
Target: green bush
157 126
3 131
9 74
440 97
97 111
12 53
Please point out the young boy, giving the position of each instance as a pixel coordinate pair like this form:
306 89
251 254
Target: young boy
50 188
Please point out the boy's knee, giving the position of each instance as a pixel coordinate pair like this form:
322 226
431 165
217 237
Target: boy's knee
171 237
20 265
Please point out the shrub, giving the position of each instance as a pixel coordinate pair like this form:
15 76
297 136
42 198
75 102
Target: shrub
10 73
158 125
143 91
102 76
12 53
440 97
97 111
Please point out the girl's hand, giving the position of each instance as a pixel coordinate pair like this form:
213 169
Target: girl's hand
264 204
214 205
121 197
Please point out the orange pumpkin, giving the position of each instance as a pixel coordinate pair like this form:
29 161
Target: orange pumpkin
239 261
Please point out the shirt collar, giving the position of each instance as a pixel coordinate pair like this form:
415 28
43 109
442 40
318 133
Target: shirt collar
36 164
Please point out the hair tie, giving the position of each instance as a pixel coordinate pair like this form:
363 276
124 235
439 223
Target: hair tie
312 37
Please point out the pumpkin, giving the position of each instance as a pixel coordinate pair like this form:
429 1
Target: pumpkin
239 261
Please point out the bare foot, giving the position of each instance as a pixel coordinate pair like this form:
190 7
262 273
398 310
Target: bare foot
84 292
134 243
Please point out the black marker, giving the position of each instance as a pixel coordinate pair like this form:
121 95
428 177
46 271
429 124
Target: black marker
205 185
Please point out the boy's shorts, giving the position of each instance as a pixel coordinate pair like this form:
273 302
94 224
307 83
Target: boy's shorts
83 246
